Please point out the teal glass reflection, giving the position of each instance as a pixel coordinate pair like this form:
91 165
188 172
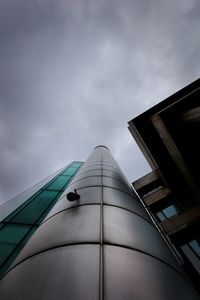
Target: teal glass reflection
36 208
25 219
76 164
29 235
59 183
170 211
5 251
13 233
70 171
16 211
10 236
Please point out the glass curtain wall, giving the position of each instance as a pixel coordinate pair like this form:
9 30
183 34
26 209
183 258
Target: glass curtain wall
18 227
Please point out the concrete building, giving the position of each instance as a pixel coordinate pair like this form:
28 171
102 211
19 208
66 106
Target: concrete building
101 245
167 134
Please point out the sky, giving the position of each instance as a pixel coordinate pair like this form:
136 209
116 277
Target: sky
73 73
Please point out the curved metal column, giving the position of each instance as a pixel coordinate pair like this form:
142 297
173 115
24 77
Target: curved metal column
102 246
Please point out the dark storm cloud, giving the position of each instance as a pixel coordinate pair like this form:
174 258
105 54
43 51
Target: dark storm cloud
74 72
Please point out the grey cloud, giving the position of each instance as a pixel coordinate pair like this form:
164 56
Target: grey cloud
74 72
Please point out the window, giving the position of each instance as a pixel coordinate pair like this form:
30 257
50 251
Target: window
76 164
12 233
18 227
10 236
195 245
161 216
6 249
15 212
36 208
69 171
167 213
192 251
59 183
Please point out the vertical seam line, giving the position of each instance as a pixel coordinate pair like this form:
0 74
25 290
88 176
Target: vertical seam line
101 296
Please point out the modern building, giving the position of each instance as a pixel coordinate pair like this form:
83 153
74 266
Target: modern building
167 134
21 216
102 245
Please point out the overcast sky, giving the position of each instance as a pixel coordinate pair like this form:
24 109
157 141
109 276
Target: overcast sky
72 73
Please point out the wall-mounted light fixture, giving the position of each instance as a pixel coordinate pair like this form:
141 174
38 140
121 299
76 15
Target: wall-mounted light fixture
72 196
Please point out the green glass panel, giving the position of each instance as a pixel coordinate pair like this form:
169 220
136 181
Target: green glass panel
20 207
69 171
15 249
35 209
29 235
76 164
13 233
59 183
39 221
5 250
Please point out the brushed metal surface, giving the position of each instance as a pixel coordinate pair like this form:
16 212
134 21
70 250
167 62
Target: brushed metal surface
73 226
127 229
91 181
108 181
132 275
90 195
88 173
114 174
70 272
118 198
101 246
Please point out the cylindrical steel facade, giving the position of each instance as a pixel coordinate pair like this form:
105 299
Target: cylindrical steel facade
102 246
